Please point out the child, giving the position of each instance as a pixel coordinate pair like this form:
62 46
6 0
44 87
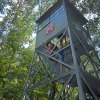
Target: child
55 67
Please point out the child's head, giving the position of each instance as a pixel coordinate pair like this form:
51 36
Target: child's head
50 45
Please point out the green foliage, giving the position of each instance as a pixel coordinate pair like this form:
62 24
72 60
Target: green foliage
15 57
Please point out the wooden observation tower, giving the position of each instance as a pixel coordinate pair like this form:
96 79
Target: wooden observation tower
72 62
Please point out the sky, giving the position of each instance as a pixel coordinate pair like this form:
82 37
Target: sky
15 1
1 17
5 12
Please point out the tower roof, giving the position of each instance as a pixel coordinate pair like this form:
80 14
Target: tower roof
47 13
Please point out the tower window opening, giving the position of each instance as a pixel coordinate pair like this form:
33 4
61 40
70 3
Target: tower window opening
60 42
64 41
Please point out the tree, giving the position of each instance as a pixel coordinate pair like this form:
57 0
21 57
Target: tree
91 9
15 57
